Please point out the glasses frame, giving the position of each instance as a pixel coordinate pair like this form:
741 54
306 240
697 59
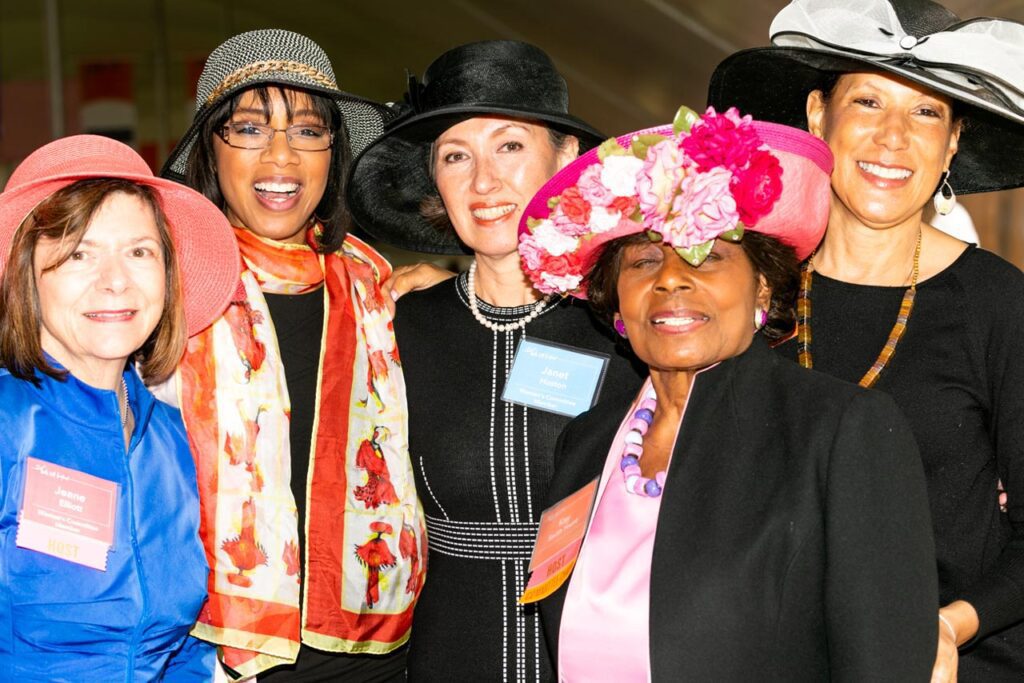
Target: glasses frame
222 133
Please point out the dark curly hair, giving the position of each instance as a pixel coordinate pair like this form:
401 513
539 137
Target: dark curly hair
771 259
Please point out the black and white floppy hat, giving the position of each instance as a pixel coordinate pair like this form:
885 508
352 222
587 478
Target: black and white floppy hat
274 57
978 62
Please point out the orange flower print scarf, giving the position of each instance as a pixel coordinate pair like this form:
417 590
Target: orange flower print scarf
366 545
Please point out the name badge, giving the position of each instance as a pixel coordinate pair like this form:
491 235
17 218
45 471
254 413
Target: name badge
559 539
554 377
67 514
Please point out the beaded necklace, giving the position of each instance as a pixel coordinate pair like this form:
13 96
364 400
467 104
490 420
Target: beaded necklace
633 449
803 320
493 326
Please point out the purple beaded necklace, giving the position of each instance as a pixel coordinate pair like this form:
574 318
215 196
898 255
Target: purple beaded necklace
634 449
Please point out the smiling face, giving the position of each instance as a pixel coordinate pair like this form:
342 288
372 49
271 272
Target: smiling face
679 317
487 169
891 139
101 304
274 191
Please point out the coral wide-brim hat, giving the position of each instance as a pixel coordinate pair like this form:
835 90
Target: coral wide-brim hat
207 252
558 248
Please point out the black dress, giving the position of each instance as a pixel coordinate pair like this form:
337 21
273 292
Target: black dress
958 376
482 470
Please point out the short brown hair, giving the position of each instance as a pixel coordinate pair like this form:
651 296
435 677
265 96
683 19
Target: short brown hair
65 216
770 258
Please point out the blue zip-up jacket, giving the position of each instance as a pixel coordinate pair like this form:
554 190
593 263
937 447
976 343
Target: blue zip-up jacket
61 621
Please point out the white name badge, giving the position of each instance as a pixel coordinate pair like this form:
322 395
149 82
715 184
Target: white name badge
554 377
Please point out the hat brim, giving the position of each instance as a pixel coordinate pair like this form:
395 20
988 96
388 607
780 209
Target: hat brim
391 177
772 84
207 252
363 120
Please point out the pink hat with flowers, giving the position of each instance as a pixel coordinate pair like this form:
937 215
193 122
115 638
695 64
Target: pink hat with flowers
699 179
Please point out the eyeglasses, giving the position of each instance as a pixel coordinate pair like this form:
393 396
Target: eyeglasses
301 138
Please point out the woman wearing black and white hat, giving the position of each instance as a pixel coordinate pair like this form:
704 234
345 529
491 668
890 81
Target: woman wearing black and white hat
913 103
487 127
294 400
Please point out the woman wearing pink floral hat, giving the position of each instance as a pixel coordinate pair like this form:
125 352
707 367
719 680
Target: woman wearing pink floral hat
752 521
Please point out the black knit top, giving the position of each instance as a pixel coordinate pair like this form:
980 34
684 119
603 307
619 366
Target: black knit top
958 376
482 469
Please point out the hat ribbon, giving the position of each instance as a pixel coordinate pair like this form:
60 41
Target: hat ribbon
979 52
414 93
276 66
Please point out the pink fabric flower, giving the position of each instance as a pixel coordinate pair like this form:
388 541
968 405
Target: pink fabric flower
721 140
659 177
592 189
757 187
703 209
574 206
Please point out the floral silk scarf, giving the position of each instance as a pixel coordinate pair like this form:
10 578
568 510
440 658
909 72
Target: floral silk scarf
365 539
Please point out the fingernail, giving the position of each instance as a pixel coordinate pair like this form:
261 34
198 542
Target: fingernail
394 295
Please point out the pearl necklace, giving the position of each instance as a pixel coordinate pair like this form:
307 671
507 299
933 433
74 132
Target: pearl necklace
493 326
634 449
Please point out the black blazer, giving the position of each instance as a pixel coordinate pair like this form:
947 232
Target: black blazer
794 541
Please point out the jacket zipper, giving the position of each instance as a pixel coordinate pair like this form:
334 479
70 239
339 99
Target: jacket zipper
130 491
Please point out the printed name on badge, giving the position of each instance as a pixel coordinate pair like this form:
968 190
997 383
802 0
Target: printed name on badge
559 539
67 514
554 377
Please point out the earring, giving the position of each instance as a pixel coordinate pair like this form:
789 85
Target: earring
944 199
620 327
760 318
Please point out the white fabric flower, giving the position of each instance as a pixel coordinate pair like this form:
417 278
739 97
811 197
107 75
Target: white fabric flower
552 240
603 220
619 172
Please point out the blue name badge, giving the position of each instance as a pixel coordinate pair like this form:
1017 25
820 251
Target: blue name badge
554 377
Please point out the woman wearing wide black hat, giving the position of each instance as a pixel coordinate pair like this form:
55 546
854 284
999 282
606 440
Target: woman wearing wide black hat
487 127
914 103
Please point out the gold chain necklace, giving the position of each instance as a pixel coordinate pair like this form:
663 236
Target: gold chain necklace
803 320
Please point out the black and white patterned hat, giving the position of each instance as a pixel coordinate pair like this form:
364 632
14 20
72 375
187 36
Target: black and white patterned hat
277 57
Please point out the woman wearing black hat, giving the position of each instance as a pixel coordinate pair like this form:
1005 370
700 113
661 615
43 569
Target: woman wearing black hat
488 127
293 400
915 103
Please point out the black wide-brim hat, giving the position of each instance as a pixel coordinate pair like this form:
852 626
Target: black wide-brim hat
391 177
979 63
274 57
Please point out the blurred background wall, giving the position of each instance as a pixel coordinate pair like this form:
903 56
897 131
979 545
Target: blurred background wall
127 68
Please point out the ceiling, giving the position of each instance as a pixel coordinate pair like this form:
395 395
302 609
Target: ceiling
629 63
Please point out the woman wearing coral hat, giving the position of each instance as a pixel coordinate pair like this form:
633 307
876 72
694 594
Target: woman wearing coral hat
294 400
105 271
752 521
918 105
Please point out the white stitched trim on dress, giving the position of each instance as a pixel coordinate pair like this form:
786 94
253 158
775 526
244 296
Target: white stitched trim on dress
423 471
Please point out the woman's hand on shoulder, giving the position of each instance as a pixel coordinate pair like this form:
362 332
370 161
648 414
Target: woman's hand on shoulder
411 278
958 623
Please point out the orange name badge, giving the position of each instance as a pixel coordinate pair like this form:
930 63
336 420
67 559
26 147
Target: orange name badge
67 514
559 539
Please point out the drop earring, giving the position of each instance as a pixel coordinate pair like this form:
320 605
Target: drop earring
945 198
620 327
760 318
